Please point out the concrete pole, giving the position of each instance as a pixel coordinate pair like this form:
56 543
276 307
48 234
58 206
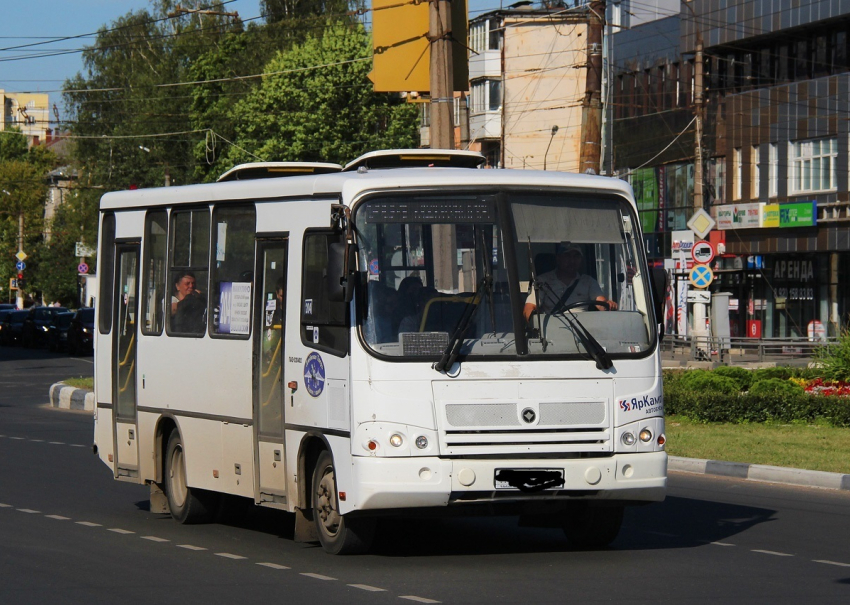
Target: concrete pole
699 104
442 101
591 112
20 298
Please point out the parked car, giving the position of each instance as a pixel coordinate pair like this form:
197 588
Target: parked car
81 332
13 327
35 325
57 331
8 306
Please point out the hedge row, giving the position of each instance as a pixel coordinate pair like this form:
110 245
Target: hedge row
714 397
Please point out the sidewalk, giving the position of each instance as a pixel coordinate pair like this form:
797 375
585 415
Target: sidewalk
70 398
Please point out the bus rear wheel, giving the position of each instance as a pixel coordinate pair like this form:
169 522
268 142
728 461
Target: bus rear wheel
187 504
338 534
589 527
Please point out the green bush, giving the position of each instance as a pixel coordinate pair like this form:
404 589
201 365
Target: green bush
779 372
834 359
775 386
742 376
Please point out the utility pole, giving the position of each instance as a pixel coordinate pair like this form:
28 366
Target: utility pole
591 112
442 77
699 105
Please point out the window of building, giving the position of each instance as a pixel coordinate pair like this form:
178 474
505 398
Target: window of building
738 174
485 35
717 181
323 323
189 272
486 95
773 170
755 174
153 272
813 165
232 270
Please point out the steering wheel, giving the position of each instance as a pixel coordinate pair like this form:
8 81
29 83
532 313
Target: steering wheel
581 303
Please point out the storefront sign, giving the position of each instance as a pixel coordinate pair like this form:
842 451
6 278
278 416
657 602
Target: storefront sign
797 270
739 216
793 214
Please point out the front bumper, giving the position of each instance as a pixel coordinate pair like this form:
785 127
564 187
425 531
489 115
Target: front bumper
397 483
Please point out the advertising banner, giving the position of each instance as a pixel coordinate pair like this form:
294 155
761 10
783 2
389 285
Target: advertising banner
739 216
793 214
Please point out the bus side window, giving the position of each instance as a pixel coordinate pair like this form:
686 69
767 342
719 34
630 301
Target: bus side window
189 272
233 270
107 271
153 272
324 324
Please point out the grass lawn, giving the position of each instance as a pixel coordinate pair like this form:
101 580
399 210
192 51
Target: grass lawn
809 446
80 383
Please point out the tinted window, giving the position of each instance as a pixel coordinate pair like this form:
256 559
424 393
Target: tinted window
107 271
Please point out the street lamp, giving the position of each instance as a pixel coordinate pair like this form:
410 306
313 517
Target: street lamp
546 155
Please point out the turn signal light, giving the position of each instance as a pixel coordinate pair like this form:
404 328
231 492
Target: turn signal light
662 439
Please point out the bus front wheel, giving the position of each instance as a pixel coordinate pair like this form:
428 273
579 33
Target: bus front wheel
187 504
338 534
590 527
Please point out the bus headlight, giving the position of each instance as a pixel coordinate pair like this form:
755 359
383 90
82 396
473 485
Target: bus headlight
628 438
396 440
422 442
646 435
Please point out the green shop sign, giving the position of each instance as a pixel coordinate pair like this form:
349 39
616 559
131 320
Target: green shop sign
794 214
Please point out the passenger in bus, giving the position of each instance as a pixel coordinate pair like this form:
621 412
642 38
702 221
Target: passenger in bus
565 284
188 305
408 303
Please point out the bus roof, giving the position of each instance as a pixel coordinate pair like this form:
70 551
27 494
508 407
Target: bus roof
266 170
349 185
417 158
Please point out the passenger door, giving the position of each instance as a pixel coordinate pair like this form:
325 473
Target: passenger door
269 404
125 331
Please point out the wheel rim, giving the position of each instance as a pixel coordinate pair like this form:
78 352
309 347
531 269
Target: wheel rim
177 477
325 503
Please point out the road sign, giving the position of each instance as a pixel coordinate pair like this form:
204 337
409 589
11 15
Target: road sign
703 252
701 276
20 265
701 223
699 296
82 268
21 255
81 249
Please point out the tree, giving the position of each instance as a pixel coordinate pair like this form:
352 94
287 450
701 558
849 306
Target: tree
321 107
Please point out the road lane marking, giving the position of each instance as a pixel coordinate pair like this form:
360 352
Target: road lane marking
721 543
17 438
274 565
37 440
89 524
29 511
367 587
825 562
154 539
58 517
57 443
228 555
78 445
118 530
317 576
772 552
190 547
6 505
419 599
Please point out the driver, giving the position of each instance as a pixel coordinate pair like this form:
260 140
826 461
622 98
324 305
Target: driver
565 279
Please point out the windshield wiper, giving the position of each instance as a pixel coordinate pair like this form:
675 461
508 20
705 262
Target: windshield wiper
455 342
591 345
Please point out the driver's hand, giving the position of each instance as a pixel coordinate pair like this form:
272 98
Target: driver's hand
612 306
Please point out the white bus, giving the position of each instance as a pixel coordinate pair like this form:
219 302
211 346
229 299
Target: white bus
347 343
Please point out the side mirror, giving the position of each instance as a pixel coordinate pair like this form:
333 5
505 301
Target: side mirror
658 280
340 274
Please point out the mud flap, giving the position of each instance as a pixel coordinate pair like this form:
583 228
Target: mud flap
305 529
159 501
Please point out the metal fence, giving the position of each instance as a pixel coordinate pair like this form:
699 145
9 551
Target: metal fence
741 350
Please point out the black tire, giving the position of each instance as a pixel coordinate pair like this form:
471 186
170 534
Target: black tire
338 534
590 527
187 504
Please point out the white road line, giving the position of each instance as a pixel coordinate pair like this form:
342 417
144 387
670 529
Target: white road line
17 438
78 445
57 443
367 587
317 576
6 505
772 552
831 562
228 555
58 517
118 530
419 599
274 565
190 547
89 524
721 543
154 539
37 440
29 511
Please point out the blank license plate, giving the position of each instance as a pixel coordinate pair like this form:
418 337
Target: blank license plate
529 479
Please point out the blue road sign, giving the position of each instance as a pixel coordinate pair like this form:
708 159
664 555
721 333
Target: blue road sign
20 265
701 276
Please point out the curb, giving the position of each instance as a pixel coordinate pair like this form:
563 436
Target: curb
760 472
71 398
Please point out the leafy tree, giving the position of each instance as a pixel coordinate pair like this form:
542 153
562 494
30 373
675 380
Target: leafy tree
319 105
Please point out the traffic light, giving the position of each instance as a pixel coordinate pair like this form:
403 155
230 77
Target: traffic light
20 281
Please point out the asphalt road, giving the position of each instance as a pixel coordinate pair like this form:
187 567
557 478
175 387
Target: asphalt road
70 534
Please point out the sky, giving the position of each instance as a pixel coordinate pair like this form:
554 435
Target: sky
45 67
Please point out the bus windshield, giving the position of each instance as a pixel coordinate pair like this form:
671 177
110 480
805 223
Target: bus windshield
487 269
